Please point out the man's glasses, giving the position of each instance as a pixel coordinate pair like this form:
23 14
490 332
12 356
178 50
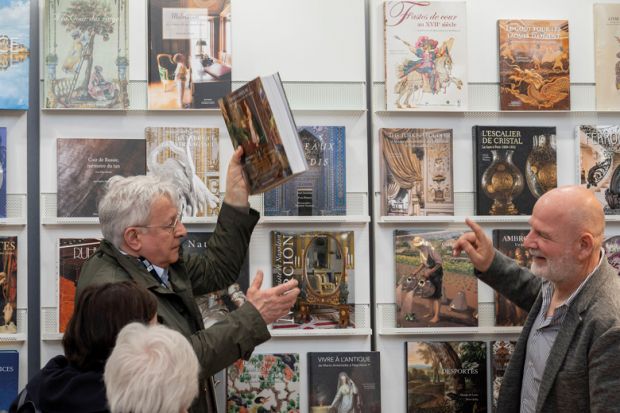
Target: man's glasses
169 228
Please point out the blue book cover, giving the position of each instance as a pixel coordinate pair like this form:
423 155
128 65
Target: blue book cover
14 53
9 369
3 172
321 190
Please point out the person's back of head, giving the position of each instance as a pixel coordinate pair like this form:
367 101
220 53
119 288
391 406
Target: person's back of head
152 369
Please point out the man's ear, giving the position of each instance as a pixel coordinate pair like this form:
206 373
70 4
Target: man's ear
132 239
586 244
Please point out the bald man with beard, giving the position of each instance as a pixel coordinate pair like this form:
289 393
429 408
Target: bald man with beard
567 358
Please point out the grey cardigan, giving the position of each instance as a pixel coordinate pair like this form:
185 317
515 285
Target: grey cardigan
583 370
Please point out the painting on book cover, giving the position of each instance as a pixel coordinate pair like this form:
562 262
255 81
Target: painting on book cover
611 245
264 383
8 285
321 190
14 53
599 164
86 54
425 55
534 65
189 157
416 172
3 172
501 352
446 376
433 288
607 55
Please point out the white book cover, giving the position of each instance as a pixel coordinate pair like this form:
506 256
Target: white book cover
607 55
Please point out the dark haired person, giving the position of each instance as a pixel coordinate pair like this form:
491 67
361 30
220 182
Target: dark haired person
73 382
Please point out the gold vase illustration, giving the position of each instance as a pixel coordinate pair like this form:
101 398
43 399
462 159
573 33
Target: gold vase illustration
541 172
502 181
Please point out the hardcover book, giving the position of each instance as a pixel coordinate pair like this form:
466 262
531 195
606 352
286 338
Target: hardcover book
190 158
3 171
446 376
321 190
259 119
534 71
515 165
607 55
425 55
264 383
599 164
433 288
510 243
86 54
501 352
416 172
344 381
72 253
14 54
9 378
190 53
612 251
84 167
8 285
323 263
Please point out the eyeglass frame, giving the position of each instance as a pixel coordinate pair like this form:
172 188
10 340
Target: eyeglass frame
170 228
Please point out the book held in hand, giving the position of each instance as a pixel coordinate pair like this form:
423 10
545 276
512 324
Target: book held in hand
258 118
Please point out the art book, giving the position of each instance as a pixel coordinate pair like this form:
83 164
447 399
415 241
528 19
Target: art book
611 246
259 119
3 172
9 378
514 166
264 383
607 55
84 167
8 285
323 263
72 253
14 54
446 376
416 172
322 189
86 54
425 55
599 163
344 381
190 53
189 157
534 71
510 243
501 352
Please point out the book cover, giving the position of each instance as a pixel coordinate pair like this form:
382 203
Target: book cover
8 285
514 166
599 164
264 383
323 263
344 381
190 157
86 58
607 55
259 119
446 376
72 253
416 172
611 246
510 243
501 352
14 54
534 71
425 55
433 288
3 172
321 190
189 54
85 165
9 378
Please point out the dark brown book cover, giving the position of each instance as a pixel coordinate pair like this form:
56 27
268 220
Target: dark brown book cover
8 285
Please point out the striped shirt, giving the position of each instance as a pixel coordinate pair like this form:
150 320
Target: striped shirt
541 339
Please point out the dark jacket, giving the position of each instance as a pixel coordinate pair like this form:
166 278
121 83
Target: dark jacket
61 388
196 274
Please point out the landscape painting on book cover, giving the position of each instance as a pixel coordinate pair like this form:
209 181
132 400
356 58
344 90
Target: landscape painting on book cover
8 284
433 288
446 376
14 53
534 69
86 54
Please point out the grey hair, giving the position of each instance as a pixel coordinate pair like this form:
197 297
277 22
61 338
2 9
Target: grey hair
152 369
128 202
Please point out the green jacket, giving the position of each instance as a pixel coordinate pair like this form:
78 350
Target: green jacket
193 275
